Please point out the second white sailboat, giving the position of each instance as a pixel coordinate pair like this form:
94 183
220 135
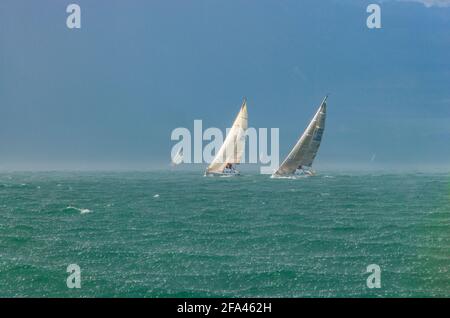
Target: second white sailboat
300 159
230 153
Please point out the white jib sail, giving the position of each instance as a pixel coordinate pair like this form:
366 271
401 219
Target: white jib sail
305 150
234 145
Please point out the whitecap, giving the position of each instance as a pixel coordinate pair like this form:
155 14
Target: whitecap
156 196
81 210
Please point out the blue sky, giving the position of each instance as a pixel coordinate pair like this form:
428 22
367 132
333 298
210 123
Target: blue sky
109 94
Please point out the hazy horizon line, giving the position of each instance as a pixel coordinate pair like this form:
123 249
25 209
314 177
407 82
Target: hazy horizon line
117 167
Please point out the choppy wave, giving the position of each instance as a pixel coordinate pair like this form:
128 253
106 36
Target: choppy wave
245 237
81 210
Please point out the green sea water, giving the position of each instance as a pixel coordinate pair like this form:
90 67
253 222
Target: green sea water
179 234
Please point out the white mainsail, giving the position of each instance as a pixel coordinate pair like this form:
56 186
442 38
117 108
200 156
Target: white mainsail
305 150
234 145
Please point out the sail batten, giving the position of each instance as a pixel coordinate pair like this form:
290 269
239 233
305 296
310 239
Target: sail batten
306 148
233 147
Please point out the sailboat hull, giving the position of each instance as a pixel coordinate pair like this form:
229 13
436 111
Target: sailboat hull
223 174
299 173
293 176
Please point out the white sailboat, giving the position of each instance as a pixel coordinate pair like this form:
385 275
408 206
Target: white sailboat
230 153
178 158
301 157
